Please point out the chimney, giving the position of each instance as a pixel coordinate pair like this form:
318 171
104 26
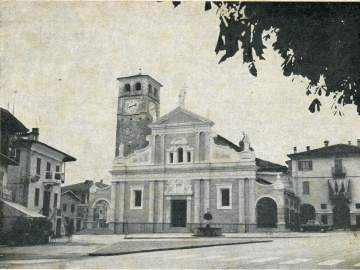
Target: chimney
34 134
326 143
358 142
307 148
295 149
349 142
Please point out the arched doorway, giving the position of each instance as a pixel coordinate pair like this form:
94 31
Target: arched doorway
266 213
341 215
307 212
101 213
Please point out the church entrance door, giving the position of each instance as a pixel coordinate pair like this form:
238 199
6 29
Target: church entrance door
178 213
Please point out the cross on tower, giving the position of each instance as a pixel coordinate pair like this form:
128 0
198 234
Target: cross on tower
182 95
139 70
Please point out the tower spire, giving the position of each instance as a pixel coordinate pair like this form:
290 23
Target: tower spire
182 96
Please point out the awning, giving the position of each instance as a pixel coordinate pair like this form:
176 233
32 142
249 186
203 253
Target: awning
24 210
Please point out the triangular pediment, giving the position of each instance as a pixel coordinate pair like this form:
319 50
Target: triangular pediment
181 116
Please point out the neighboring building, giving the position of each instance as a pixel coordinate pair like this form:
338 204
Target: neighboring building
86 204
327 181
69 204
169 171
36 182
9 127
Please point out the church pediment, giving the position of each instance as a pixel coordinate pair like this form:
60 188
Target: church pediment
181 116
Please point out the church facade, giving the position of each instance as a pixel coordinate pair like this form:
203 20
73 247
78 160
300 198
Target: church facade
169 171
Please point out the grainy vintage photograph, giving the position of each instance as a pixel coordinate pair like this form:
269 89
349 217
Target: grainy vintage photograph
179 135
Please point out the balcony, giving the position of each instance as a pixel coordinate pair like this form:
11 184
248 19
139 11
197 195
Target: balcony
60 177
338 172
48 175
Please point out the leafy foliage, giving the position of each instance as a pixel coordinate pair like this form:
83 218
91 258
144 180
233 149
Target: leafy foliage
318 41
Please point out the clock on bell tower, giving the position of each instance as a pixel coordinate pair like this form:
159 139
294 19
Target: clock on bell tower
138 106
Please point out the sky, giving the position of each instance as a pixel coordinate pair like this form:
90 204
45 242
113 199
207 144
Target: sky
60 60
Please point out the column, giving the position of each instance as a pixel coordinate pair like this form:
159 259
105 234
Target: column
151 201
241 193
160 218
197 201
188 210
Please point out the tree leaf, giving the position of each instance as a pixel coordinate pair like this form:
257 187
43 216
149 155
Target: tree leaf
207 5
315 105
176 3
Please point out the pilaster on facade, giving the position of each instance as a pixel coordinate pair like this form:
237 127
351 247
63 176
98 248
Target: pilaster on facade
151 201
197 147
188 209
121 201
167 209
160 194
252 201
206 195
197 201
242 206
163 150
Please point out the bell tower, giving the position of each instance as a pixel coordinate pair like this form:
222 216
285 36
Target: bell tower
138 106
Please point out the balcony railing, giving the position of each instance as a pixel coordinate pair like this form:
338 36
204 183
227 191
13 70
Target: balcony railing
48 175
338 172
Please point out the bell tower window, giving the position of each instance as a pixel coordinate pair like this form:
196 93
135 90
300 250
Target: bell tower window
138 86
127 88
180 155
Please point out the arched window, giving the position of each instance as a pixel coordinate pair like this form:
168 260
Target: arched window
202 146
180 155
127 87
138 86
150 89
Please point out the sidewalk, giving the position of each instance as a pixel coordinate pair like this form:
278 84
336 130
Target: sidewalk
80 245
149 245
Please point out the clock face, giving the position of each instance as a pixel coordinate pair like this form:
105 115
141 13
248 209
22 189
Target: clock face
152 110
132 106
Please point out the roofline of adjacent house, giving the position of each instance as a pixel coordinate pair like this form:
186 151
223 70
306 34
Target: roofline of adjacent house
19 125
67 157
313 153
72 192
7 160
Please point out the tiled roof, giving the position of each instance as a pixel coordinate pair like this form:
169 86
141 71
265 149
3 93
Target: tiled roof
332 150
83 187
220 140
267 166
263 165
